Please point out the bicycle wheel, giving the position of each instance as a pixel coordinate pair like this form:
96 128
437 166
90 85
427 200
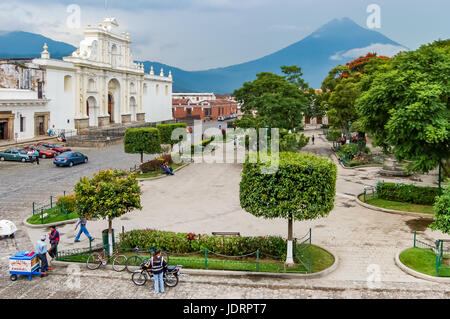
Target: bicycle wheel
171 280
119 263
133 262
139 278
94 261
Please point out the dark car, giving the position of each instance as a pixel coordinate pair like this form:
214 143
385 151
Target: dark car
14 154
55 147
70 159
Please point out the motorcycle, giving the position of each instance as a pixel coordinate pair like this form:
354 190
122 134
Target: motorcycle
170 275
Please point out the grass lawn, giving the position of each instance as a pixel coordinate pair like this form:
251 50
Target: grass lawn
321 259
53 216
389 204
159 172
423 261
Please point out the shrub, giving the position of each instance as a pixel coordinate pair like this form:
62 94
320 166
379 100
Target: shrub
203 144
181 243
156 163
69 202
422 195
166 130
293 142
333 135
442 212
350 150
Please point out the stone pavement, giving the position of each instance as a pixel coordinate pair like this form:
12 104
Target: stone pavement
203 198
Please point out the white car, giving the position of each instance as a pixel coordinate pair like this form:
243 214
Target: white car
7 228
220 118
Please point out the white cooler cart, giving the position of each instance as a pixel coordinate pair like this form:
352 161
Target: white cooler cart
7 228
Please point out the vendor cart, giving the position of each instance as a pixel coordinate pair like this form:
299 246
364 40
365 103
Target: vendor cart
24 263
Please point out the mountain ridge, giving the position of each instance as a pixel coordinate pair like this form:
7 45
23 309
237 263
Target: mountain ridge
336 42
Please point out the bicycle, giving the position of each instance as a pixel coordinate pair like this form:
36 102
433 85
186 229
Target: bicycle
137 260
95 260
170 275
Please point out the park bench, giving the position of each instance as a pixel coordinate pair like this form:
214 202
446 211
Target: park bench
226 233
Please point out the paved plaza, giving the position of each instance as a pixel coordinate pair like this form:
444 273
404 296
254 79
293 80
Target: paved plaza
203 198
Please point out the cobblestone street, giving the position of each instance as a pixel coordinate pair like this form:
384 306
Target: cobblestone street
203 198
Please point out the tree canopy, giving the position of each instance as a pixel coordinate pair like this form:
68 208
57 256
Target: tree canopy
407 106
142 140
279 101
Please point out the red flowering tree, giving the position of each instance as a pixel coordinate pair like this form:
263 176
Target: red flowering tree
344 85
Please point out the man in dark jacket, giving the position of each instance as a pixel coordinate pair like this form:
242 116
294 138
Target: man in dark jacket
54 241
158 264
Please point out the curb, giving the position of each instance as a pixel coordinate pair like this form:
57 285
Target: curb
65 222
355 167
236 274
391 211
417 274
162 176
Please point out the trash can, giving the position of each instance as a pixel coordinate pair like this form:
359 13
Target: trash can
105 240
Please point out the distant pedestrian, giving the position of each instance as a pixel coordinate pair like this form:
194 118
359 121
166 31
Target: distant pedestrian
158 264
41 251
54 241
30 154
82 222
235 142
313 139
36 154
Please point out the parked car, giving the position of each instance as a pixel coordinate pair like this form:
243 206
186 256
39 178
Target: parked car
55 147
43 151
220 118
14 154
70 159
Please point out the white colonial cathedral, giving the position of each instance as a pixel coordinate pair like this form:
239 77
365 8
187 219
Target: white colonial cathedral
99 84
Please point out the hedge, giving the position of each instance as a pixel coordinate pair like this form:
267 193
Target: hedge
142 140
179 243
442 212
156 163
422 195
69 202
203 144
166 132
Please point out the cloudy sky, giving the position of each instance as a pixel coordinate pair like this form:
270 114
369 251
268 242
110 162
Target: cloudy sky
202 34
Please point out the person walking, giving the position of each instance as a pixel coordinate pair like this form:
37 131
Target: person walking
158 264
235 142
30 154
313 139
82 223
41 251
36 154
54 241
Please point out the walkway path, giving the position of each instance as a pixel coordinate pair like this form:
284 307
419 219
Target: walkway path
203 198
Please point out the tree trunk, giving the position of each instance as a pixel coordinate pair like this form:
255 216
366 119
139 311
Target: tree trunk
110 239
290 253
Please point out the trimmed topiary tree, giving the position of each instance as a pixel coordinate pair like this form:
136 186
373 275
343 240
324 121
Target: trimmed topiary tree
303 188
442 212
166 131
142 140
107 195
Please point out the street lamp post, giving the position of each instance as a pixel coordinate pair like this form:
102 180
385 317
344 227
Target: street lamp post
349 132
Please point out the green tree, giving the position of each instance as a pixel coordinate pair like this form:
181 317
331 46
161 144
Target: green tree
303 188
442 212
142 140
293 74
107 195
277 101
407 106
166 130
